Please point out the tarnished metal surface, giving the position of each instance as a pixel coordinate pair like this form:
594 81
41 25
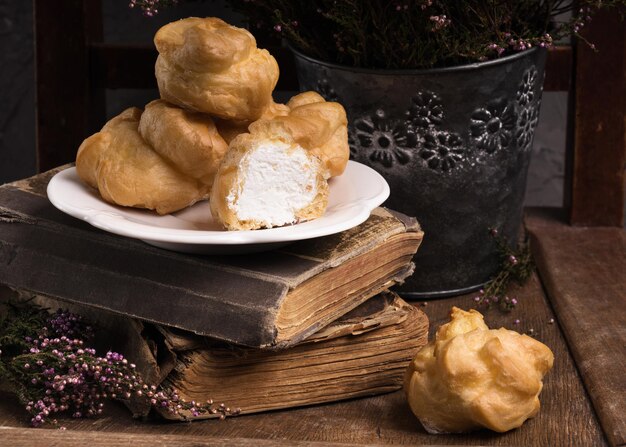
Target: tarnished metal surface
454 145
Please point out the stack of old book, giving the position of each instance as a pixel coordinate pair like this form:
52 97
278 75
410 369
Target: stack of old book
310 323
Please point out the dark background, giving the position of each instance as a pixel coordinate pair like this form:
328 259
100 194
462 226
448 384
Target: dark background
125 25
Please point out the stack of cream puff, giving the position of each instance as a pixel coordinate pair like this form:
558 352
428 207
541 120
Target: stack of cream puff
216 132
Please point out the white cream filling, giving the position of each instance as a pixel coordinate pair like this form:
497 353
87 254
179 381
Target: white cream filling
276 181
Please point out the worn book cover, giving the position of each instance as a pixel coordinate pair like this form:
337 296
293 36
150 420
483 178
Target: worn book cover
268 300
363 353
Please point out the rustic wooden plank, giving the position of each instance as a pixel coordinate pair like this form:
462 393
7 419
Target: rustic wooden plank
69 108
559 64
566 417
599 178
583 270
16 437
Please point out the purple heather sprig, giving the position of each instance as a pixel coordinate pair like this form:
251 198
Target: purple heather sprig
515 44
516 267
439 22
573 26
54 372
150 8
381 33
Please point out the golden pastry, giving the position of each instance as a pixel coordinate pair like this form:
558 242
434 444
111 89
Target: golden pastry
229 129
268 180
317 125
188 140
470 377
128 172
207 65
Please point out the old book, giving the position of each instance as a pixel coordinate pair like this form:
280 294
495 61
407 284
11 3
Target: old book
266 300
363 353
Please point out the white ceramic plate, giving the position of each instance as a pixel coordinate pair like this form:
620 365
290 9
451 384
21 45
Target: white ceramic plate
352 197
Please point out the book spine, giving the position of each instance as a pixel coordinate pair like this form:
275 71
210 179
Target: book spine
95 269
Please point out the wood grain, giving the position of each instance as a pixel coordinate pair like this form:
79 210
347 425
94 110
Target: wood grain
69 107
559 69
584 272
48 438
599 178
566 417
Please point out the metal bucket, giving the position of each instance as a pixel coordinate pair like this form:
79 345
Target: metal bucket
454 145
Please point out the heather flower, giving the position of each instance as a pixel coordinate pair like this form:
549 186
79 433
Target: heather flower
450 33
54 372
150 8
516 267
497 48
439 22
382 34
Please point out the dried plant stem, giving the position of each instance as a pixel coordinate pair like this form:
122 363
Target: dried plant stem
516 268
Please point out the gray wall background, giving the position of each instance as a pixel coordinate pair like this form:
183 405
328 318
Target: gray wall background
123 25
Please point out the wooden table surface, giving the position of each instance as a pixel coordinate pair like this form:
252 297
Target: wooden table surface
567 417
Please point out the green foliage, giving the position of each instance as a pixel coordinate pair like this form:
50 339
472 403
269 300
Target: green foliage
18 321
416 33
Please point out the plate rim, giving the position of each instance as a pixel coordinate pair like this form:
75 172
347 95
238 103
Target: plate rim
108 220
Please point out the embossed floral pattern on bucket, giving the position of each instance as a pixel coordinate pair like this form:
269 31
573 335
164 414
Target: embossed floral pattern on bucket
454 145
